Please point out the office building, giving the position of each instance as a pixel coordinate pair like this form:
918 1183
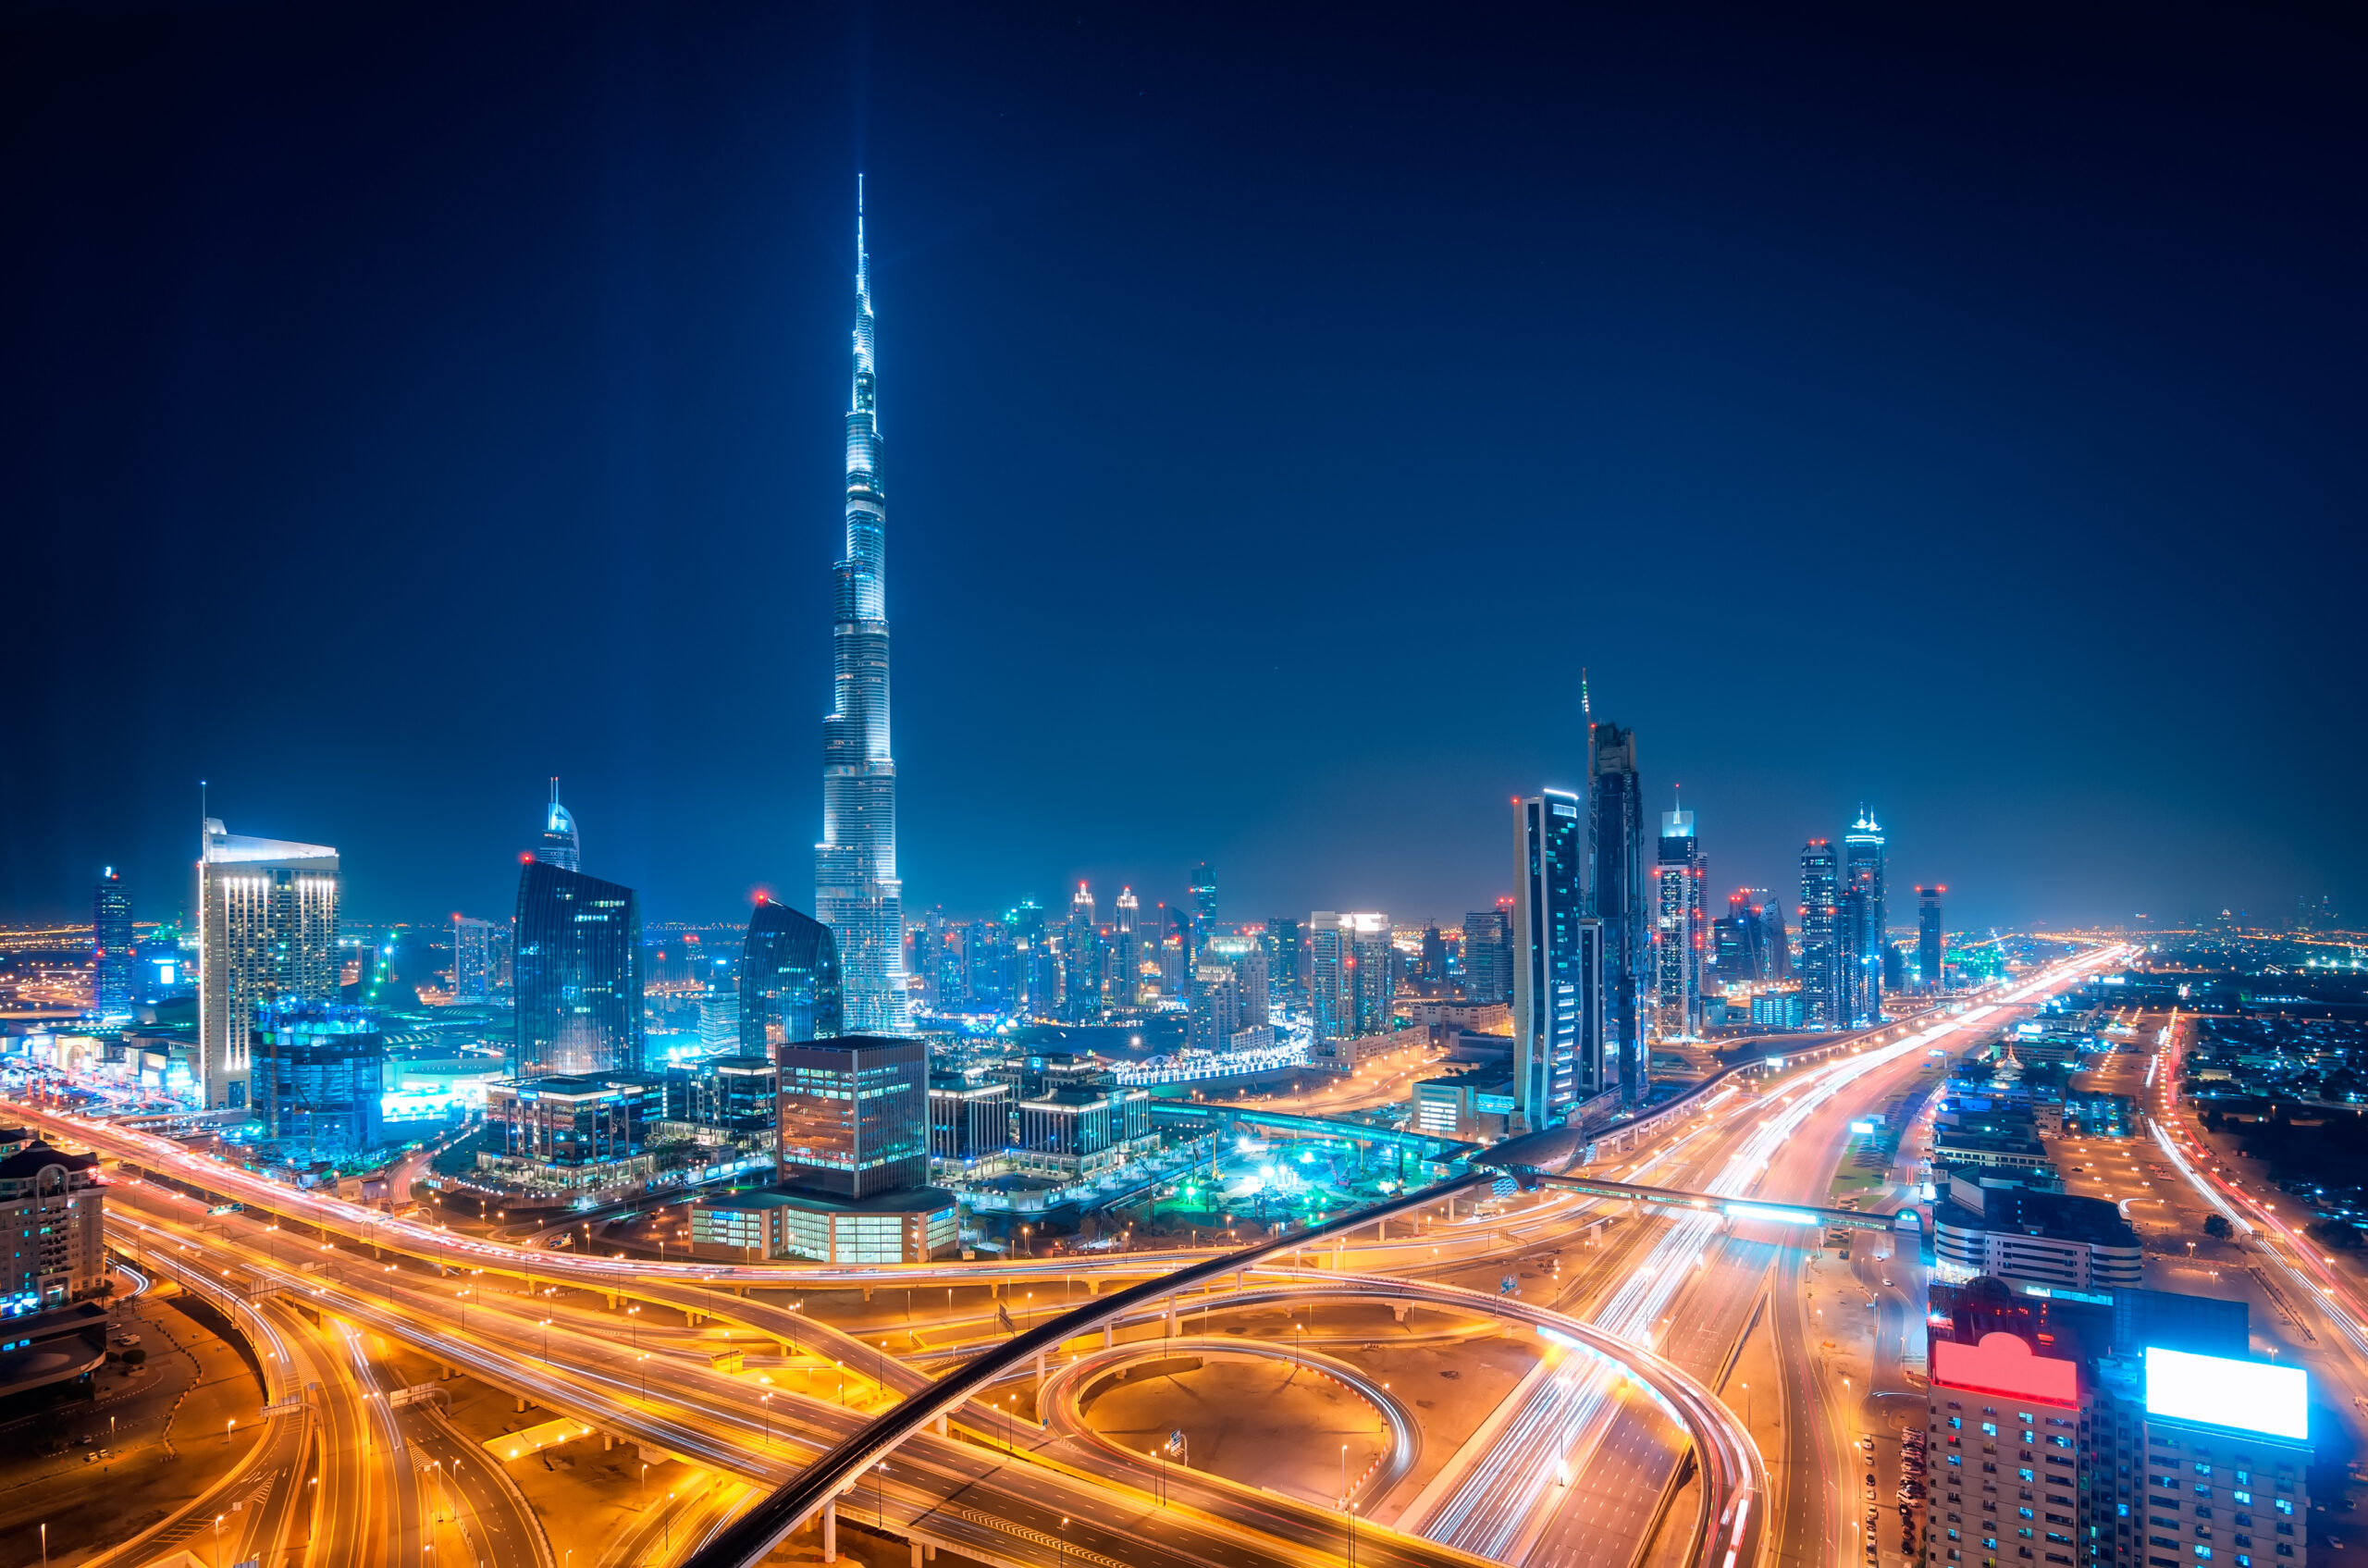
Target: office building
320 1076
1245 958
559 845
50 1217
1073 1120
1680 936
912 1225
1350 982
1474 1106
579 973
568 1123
1820 964
266 933
1863 939
1616 896
1488 957
969 1124
789 981
1557 966
1932 972
857 891
112 955
853 1114
720 1021
1204 907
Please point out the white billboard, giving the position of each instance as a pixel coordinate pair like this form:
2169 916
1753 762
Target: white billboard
2245 1395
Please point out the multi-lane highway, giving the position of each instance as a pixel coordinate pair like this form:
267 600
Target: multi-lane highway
1674 1295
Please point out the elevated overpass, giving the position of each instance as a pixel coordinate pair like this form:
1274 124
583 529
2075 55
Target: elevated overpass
1426 1146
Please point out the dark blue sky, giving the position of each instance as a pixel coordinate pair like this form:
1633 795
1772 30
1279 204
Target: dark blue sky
1962 413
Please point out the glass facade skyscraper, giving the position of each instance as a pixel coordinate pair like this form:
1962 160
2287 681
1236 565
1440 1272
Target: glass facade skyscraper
578 974
559 845
1821 966
856 892
1678 934
1558 971
1864 931
266 933
111 946
789 981
1931 957
1616 896
1349 980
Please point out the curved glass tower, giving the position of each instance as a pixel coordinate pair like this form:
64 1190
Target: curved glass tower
857 893
789 981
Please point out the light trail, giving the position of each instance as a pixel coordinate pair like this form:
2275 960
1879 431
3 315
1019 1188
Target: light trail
1498 1504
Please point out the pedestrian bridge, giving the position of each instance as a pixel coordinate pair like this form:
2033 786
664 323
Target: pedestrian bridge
1710 1203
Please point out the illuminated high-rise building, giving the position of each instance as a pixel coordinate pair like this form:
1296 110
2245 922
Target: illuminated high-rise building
1127 953
473 957
1558 964
856 892
1931 957
1487 956
1822 1004
559 845
1204 908
1680 935
789 981
1081 958
578 969
1864 936
111 947
1348 983
1616 896
266 934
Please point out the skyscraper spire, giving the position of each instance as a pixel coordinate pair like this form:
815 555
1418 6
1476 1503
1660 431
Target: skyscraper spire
856 892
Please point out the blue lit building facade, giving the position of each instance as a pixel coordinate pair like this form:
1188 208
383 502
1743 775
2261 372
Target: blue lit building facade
1863 922
320 1075
111 946
1821 967
1616 896
789 981
1557 964
578 975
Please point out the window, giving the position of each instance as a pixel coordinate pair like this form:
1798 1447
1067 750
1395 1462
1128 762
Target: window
2284 1506
1989 1429
2024 1472
2244 1498
2026 1513
2203 1469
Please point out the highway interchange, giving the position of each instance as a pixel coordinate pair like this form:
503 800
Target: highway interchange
1637 1319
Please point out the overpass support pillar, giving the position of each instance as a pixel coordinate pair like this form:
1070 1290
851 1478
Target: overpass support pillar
522 1403
916 1554
830 1531
1109 1335
941 1424
607 1441
867 1294
1040 1372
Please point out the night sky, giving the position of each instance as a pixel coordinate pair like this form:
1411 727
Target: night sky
1960 413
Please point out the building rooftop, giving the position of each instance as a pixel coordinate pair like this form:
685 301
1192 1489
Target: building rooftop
2056 1215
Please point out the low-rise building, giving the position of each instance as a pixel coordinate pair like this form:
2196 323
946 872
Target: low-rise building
2018 1235
911 1226
566 1130
1475 1106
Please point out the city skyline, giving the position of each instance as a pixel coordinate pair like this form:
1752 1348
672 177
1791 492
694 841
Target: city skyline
613 452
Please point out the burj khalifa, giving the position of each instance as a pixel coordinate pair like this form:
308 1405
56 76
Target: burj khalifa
857 893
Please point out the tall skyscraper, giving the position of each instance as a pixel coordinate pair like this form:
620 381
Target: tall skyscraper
1487 962
1284 946
1678 934
111 947
1204 908
1080 958
473 977
1616 896
1127 953
856 892
1558 969
578 974
789 981
266 933
1349 987
1820 964
559 845
1931 960
1864 936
